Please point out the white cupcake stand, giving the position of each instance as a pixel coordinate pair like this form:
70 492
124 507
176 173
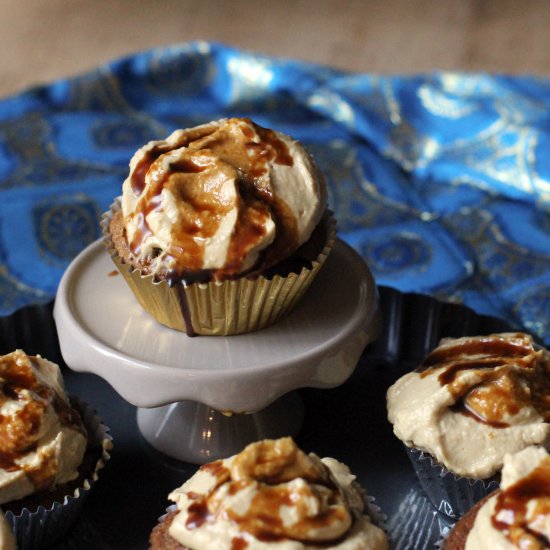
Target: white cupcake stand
191 393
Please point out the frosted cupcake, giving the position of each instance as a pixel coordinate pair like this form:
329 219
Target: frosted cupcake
269 496
50 450
515 517
220 228
471 402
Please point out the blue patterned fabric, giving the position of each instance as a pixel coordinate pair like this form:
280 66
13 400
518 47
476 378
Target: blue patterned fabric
440 181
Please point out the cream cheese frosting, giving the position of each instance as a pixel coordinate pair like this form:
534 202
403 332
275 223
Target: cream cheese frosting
474 400
220 199
42 439
272 495
517 516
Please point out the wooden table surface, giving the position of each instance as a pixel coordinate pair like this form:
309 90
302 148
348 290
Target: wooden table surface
42 40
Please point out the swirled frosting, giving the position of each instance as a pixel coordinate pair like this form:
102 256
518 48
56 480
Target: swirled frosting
219 200
473 400
272 495
42 439
517 516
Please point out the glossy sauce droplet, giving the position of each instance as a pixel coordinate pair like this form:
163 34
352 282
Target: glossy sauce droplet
197 514
216 469
238 543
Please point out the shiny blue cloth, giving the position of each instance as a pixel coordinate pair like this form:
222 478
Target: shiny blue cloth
440 181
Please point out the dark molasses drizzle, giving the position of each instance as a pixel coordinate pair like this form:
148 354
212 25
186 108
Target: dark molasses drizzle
238 543
488 346
514 371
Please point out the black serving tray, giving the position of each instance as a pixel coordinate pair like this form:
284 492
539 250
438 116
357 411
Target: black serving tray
348 423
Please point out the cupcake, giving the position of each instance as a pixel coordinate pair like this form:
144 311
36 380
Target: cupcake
472 401
515 517
50 450
220 228
271 495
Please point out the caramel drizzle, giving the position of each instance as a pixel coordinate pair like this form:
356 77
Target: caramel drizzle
250 160
511 514
198 512
238 543
514 374
263 518
18 431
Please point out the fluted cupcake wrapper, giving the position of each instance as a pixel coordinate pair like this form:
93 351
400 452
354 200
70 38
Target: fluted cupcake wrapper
218 308
42 527
451 494
375 513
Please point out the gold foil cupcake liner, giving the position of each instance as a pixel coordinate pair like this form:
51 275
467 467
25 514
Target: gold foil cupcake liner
39 528
219 308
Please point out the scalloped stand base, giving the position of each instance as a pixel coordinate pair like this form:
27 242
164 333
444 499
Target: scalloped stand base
179 383
195 433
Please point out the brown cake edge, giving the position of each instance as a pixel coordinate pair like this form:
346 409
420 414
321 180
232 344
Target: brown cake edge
457 537
160 538
118 238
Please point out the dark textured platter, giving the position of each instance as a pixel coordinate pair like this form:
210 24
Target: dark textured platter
348 423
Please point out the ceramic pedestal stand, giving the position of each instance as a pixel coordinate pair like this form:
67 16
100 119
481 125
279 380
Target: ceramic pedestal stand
190 392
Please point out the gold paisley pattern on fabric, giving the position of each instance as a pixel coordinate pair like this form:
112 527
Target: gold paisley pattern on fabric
441 181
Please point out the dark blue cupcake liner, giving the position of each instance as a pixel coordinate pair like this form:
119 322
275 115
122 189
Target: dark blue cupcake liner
450 494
